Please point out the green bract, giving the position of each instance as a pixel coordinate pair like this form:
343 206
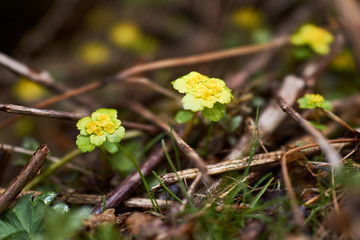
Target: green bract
310 101
102 127
202 93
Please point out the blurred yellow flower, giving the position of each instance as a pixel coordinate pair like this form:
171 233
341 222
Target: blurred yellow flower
317 38
343 62
124 34
94 53
247 18
28 91
24 127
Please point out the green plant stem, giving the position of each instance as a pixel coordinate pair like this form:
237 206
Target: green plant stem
317 118
208 134
189 127
176 152
182 185
52 168
153 201
166 188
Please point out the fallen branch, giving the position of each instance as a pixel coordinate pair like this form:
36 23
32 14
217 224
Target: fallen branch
332 156
92 199
17 109
120 193
26 174
271 158
184 147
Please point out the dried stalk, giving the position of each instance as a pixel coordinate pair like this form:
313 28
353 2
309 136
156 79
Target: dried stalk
332 156
92 199
171 62
184 147
271 158
26 174
222 167
120 193
11 108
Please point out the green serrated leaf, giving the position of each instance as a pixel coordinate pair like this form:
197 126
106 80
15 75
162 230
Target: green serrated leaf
24 221
214 114
183 116
84 144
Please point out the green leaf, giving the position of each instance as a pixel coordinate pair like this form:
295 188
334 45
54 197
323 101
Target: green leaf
231 123
117 135
24 221
214 114
318 126
81 125
84 144
97 140
326 105
62 225
183 116
110 147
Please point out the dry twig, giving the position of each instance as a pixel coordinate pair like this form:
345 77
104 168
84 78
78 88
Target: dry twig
184 147
17 109
26 174
120 193
171 62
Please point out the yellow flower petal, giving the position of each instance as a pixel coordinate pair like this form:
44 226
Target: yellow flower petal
28 91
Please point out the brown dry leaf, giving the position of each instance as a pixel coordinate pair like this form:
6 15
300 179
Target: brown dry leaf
95 219
144 225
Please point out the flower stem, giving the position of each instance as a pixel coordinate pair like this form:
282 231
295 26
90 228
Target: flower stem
208 137
152 199
317 119
189 126
52 168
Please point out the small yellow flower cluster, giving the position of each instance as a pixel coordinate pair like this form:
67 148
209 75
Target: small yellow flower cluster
202 91
125 33
128 35
103 124
316 98
311 101
102 127
28 91
94 53
317 38
343 62
247 18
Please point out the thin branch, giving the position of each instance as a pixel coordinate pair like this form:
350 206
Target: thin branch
171 62
184 147
92 199
42 78
17 109
271 158
26 174
50 158
11 108
332 156
120 193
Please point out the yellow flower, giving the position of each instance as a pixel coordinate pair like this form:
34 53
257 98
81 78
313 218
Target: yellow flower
343 62
94 53
317 38
202 91
26 90
101 128
125 34
310 101
247 18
